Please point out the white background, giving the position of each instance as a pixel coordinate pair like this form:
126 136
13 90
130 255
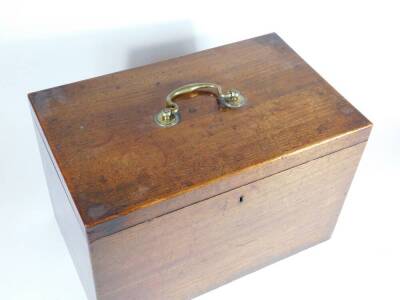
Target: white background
353 44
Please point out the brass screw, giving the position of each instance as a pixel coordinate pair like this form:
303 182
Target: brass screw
233 96
166 115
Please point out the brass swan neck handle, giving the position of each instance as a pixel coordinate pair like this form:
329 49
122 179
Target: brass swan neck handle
170 116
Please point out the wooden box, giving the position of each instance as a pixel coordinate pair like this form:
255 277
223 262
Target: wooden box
158 203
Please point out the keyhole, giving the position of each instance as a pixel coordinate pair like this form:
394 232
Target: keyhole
241 199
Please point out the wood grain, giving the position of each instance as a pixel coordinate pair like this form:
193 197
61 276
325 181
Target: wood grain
120 169
73 233
155 213
185 253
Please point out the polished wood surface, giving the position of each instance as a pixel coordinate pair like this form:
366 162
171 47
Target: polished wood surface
170 213
73 233
120 169
188 252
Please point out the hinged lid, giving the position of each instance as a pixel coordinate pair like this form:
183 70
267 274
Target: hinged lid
120 168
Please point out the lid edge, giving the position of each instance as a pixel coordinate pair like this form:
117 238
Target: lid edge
159 207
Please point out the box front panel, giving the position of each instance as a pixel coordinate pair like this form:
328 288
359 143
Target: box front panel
192 250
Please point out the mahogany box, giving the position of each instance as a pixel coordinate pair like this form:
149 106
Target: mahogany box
174 178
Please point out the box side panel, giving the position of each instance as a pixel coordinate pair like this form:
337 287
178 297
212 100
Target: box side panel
200 247
69 225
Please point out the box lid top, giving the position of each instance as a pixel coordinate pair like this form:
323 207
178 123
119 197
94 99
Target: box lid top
115 161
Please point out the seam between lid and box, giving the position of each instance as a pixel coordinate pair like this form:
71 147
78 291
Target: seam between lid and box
93 235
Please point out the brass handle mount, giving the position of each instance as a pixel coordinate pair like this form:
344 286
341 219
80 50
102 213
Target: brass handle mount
170 116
